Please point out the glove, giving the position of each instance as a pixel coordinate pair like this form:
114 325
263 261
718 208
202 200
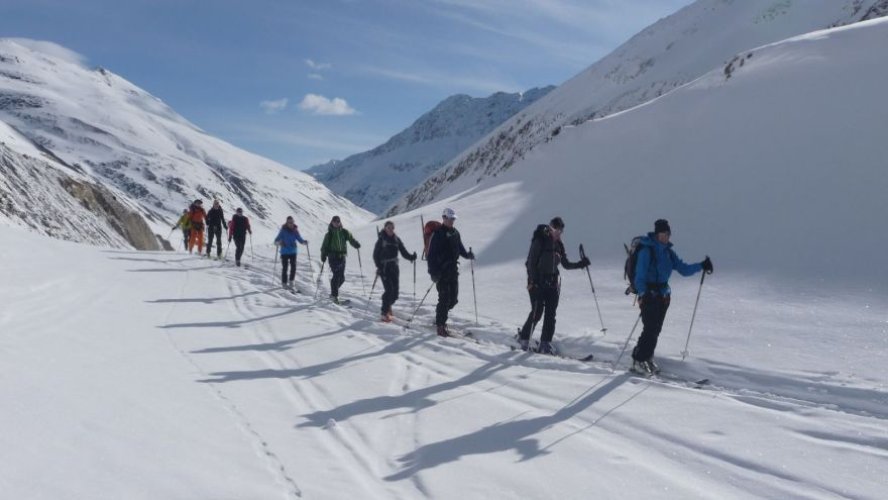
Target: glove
707 265
306 243
530 285
323 258
378 271
174 227
584 262
640 301
277 243
471 256
229 239
357 245
413 257
435 278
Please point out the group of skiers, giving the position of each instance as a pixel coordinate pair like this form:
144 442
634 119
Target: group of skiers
648 268
195 219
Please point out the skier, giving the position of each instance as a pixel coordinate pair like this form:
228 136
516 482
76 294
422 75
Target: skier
445 249
544 281
183 222
385 256
334 247
286 240
238 227
654 264
215 222
196 218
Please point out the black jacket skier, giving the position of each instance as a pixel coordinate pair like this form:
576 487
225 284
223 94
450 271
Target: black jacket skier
215 223
385 256
445 249
238 227
544 281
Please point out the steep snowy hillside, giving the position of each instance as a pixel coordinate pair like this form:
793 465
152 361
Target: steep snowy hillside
774 163
377 178
100 126
662 57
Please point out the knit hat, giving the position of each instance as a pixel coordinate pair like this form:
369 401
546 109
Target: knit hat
662 226
557 223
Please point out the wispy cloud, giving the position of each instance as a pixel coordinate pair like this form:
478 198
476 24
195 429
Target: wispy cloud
444 81
272 107
320 105
344 144
315 76
317 66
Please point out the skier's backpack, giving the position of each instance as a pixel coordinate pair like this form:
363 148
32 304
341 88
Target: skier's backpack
631 261
540 232
427 230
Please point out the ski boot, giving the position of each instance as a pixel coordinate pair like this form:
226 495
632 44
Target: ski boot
442 331
546 348
523 344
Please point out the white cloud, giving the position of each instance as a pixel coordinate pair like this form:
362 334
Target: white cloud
272 107
317 66
315 76
320 105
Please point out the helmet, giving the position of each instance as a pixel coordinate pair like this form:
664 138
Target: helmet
449 213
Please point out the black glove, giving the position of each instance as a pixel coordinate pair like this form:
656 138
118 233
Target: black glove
530 285
229 239
435 278
413 257
471 256
584 262
378 271
357 245
707 265
323 258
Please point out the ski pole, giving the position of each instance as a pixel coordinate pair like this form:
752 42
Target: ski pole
414 281
225 255
626 344
594 295
684 353
361 267
318 284
372 287
420 304
274 269
474 295
252 255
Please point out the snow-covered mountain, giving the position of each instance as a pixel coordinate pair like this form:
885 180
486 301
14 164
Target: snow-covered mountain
659 59
773 163
377 178
64 123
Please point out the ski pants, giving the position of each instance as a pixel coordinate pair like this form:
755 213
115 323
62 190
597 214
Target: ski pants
653 312
543 299
186 235
448 296
217 233
288 261
391 278
197 240
239 242
337 267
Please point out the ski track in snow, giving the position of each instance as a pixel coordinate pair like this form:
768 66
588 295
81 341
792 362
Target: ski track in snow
425 377
263 448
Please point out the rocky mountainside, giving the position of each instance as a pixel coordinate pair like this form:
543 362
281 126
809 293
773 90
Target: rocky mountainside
91 128
375 179
666 55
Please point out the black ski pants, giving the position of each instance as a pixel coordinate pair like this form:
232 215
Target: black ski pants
543 299
239 243
448 296
288 262
391 280
653 313
337 267
217 233
186 235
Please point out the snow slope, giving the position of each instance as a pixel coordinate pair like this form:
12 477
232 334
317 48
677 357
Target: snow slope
209 382
102 127
659 59
377 178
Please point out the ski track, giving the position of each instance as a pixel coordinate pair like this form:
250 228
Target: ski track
260 444
420 367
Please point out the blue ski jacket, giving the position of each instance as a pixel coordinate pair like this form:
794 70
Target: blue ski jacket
288 238
654 265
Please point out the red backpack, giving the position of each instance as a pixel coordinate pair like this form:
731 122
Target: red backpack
427 230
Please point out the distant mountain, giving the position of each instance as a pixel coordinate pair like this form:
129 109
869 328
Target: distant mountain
87 156
666 55
376 178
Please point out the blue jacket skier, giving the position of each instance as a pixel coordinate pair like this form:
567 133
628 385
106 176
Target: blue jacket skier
286 239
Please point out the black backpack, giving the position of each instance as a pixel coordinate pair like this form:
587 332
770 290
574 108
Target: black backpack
631 261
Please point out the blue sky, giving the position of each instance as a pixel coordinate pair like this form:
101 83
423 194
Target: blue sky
305 81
